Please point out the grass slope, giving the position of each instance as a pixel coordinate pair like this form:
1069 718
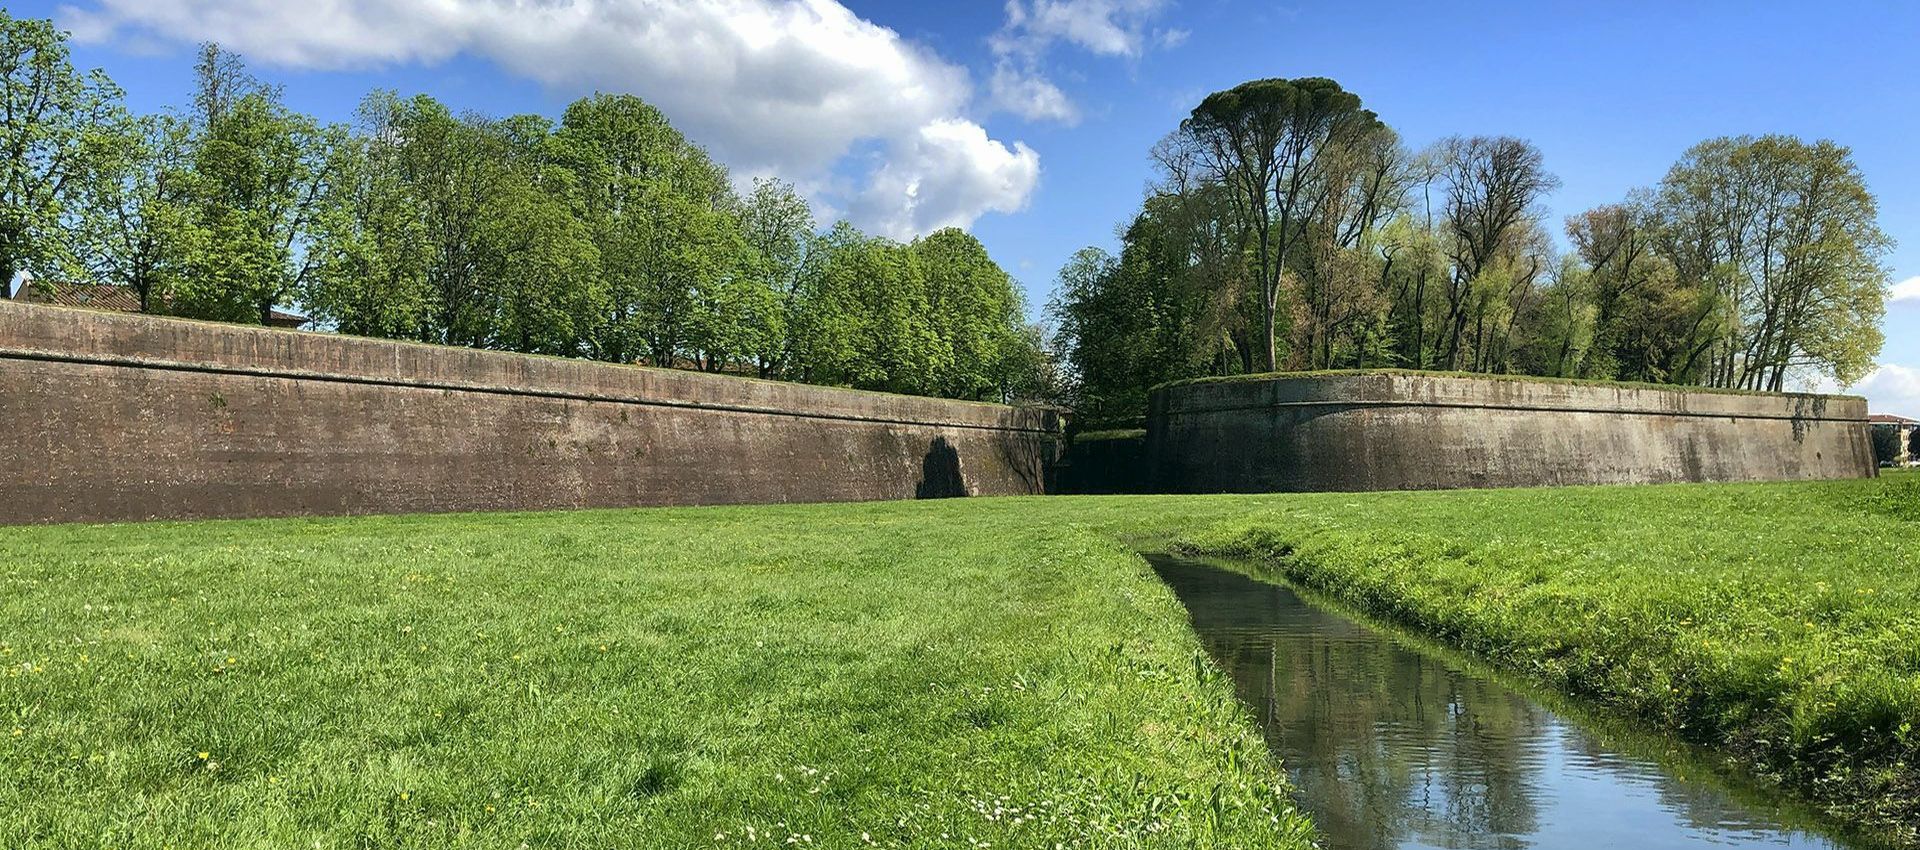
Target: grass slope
950 675
956 673
1778 622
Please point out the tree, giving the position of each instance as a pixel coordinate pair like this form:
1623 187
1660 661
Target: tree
261 178
1886 444
1265 140
57 126
128 222
1785 236
1492 187
660 212
975 312
778 228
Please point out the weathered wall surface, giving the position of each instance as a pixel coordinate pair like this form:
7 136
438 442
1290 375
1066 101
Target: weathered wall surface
108 417
1412 432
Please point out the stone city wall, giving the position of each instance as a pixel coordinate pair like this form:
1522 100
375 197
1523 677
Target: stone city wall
110 417
1415 431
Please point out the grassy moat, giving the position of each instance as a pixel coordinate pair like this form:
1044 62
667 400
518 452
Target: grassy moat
965 673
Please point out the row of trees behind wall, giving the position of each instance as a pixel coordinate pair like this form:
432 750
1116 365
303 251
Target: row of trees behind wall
608 235
1291 229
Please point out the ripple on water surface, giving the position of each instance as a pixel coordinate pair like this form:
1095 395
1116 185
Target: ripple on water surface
1391 746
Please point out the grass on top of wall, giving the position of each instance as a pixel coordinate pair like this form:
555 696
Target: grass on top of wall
947 674
1779 623
1256 377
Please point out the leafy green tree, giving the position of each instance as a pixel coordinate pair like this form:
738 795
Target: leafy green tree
58 126
538 259
1264 140
975 312
262 176
778 228
129 220
1886 444
1785 235
659 211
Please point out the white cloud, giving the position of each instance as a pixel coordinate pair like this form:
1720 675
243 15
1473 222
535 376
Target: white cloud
1906 290
771 86
1119 28
1103 27
1031 96
949 172
1892 388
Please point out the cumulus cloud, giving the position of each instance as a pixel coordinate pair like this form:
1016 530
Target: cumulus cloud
1103 27
771 86
1892 388
1906 290
1031 96
1120 28
949 172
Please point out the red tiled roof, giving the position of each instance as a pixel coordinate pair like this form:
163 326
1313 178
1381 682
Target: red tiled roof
97 296
1890 419
118 299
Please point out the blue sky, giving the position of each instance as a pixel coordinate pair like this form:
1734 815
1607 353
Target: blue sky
1032 120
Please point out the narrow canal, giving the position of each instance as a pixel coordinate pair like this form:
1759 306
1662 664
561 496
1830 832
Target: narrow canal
1389 745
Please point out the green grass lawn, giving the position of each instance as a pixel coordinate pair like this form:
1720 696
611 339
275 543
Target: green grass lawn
1779 623
951 674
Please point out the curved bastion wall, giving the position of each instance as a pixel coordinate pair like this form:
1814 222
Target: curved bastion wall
1420 431
110 417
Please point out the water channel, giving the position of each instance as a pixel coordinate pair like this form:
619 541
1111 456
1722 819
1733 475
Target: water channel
1393 745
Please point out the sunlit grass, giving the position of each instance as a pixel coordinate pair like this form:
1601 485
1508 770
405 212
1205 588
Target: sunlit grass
944 674
951 675
1779 622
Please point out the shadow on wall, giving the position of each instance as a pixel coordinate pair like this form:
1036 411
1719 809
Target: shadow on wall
940 472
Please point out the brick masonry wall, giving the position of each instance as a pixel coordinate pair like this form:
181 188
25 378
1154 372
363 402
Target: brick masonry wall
109 417
1418 432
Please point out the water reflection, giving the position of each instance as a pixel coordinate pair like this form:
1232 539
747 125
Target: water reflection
1391 747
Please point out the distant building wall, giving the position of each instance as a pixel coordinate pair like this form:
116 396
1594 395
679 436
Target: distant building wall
108 417
1398 431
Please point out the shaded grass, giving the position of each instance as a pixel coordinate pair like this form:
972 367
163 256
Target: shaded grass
1778 623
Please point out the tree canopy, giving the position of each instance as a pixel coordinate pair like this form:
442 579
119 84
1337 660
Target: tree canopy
607 234
1291 229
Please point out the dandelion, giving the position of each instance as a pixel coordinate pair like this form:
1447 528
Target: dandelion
204 754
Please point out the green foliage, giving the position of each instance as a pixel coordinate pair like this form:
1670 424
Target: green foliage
58 127
1292 232
1886 444
610 236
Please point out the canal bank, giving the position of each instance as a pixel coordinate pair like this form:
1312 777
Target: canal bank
1390 741
1777 625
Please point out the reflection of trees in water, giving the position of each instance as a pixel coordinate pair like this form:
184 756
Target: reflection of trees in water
1701 806
1383 743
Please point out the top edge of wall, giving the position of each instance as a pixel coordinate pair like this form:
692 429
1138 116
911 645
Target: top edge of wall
1448 389
32 331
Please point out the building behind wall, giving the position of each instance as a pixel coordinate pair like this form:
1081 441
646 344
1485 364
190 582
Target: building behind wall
1903 427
